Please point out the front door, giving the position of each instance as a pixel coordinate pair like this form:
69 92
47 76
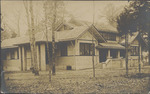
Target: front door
103 55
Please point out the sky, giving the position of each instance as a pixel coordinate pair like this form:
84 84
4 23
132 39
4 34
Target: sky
82 10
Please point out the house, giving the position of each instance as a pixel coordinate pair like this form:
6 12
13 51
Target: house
74 49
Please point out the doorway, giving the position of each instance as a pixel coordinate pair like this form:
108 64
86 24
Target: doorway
103 55
113 53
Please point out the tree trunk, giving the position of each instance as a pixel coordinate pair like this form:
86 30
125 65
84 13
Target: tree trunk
126 47
93 55
29 32
149 47
53 39
33 41
48 54
139 51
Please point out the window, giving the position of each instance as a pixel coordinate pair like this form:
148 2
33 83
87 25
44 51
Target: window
4 54
63 48
134 50
86 49
109 36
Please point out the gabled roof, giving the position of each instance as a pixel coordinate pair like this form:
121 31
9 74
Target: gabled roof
76 32
70 34
106 28
131 38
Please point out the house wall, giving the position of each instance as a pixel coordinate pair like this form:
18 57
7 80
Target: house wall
83 62
25 62
63 61
74 59
41 57
11 64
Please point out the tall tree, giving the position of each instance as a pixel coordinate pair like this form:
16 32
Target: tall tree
126 25
31 30
141 10
141 13
53 17
135 17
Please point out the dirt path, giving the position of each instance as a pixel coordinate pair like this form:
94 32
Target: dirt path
81 81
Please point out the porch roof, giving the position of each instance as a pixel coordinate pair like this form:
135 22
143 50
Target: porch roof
13 42
109 45
39 37
8 43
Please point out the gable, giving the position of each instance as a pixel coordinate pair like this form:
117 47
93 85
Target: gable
87 36
135 42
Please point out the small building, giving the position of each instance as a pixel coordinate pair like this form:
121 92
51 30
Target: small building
75 47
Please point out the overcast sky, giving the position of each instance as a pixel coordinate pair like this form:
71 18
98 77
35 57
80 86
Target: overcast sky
79 9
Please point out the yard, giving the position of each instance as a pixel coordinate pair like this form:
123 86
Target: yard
80 81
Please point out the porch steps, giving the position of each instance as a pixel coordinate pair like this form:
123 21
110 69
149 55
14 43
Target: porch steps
119 63
112 63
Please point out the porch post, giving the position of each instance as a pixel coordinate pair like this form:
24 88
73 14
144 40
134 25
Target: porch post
108 56
77 47
39 57
118 53
140 58
74 51
37 50
24 58
43 56
20 58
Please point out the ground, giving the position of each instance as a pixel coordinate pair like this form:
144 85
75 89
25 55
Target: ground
80 81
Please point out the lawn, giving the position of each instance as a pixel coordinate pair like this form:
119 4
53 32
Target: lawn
80 81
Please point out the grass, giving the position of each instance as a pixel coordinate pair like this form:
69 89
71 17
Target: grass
80 81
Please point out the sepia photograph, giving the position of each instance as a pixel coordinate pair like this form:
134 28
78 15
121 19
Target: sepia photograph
75 46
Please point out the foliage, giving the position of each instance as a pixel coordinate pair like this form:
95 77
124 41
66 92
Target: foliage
135 17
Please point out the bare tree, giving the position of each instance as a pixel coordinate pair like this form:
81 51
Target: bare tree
53 17
47 43
31 30
111 13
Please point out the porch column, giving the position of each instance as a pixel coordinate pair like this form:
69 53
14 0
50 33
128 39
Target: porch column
77 47
118 53
140 61
108 56
20 58
43 56
24 59
39 57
